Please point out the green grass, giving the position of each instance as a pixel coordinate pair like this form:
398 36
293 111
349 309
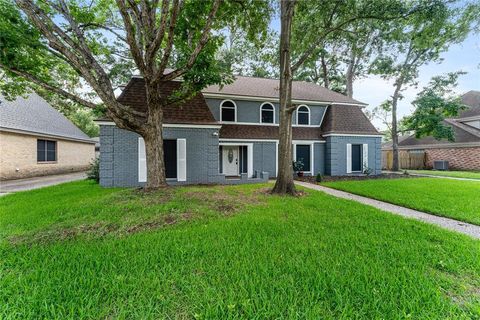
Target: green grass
450 198
455 174
265 257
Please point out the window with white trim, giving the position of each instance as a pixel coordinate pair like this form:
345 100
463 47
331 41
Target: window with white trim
303 153
228 111
303 115
267 113
46 150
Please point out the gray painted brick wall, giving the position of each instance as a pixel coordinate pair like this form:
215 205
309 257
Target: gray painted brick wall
119 155
336 153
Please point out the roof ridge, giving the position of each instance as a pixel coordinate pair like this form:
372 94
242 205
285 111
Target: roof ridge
464 127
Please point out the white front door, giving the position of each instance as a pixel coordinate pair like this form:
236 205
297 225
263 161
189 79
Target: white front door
230 160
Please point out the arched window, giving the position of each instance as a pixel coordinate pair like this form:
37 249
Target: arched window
228 111
303 115
267 113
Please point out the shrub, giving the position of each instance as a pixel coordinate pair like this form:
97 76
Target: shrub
367 170
93 172
319 177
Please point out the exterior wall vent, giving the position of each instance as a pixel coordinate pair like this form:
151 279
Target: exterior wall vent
440 165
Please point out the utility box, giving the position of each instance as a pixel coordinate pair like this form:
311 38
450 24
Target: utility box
440 165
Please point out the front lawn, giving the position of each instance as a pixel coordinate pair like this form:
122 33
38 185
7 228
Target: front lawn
78 251
450 198
455 174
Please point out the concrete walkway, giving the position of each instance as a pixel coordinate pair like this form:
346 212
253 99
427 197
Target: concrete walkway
450 224
38 182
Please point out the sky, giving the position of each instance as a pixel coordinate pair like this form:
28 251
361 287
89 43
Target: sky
465 56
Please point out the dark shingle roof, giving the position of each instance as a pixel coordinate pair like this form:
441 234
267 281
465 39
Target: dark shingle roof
463 134
236 131
33 114
347 119
471 99
194 110
268 88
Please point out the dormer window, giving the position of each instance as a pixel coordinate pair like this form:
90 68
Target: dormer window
228 111
303 115
267 113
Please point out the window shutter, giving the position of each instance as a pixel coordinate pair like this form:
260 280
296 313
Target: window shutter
142 161
365 156
181 159
349 158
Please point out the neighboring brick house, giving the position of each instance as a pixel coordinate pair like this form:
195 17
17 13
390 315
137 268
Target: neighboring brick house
464 153
36 140
230 135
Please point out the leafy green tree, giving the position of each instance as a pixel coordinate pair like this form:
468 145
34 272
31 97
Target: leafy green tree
418 40
320 21
433 105
250 58
65 45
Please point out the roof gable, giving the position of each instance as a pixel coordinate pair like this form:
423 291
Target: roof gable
195 110
34 114
346 119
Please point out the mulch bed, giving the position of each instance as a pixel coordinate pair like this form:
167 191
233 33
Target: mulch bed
354 178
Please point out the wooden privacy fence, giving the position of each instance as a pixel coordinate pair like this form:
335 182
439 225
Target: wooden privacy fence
409 159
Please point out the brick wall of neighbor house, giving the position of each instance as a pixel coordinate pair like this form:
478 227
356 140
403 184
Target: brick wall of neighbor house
336 153
19 151
458 158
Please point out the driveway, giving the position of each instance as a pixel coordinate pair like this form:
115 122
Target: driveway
38 182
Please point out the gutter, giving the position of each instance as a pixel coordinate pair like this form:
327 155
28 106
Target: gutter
46 135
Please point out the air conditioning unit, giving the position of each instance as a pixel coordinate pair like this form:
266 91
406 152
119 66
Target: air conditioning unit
440 165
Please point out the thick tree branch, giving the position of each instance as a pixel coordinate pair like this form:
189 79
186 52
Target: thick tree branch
47 86
200 45
169 46
131 38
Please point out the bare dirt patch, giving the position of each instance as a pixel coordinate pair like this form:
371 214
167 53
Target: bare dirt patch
170 206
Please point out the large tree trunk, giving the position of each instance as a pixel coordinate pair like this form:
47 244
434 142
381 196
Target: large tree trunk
284 183
153 137
326 80
350 74
395 98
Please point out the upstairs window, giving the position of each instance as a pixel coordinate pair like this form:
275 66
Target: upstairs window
303 115
228 111
46 150
267 113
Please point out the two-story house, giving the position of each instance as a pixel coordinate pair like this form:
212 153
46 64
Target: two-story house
230 135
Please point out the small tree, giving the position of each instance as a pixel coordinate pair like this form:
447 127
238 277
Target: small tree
418 40
433 105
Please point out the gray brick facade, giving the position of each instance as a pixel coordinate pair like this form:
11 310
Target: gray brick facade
336 153
119 156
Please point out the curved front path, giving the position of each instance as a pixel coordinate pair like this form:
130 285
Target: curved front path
447 223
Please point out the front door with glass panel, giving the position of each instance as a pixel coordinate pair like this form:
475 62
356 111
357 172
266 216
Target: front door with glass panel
230 160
